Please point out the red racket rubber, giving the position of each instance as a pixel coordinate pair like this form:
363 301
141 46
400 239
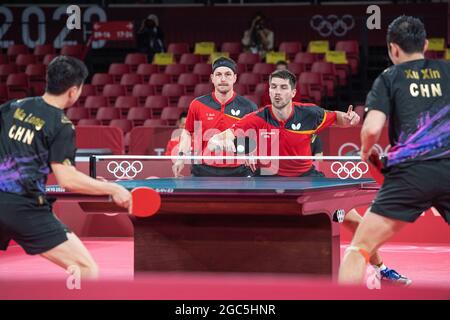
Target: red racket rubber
375 166
145 202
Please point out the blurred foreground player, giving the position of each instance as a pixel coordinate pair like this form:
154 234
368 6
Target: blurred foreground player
36 138
415 95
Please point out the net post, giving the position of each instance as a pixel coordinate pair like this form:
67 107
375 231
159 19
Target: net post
93 166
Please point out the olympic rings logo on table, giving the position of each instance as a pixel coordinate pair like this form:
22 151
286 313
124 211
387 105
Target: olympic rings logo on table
125 169
332 24
349 169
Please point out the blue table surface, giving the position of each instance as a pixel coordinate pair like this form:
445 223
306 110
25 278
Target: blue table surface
242 184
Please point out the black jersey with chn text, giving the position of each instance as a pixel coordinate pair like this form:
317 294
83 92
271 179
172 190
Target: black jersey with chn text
33 134
415 95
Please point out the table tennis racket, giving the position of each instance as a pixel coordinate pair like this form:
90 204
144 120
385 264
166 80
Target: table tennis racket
244 145
145 202
375 167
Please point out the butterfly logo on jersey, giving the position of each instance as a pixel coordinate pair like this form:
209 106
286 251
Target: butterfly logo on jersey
235 113
296 126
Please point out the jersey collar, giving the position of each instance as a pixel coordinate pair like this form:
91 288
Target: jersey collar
226 102
282 123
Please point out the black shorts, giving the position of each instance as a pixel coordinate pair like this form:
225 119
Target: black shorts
34 227
410 189
203 170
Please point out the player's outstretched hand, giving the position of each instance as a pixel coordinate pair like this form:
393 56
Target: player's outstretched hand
352 117
215 143
121 196
251 163
220 141
177 168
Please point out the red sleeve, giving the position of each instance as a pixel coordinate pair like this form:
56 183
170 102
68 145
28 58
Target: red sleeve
329 118
323 117
250 121
191 117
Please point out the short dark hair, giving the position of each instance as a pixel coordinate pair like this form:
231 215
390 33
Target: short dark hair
281 62
286 75
182 115
64 72
408 33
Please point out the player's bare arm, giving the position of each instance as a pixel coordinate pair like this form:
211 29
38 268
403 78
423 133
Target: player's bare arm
371 131
70 178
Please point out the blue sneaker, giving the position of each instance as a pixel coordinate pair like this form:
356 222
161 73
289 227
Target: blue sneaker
394 277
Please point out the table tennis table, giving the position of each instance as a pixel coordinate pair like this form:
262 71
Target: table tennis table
251 225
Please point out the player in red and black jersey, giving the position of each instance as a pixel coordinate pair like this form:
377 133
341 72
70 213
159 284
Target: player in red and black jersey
292 123
211 114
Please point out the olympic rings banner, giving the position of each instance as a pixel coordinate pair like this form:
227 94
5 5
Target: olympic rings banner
125 169
346 141
332 25
349 169
35 24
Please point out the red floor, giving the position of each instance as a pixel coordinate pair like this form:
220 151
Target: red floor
427 265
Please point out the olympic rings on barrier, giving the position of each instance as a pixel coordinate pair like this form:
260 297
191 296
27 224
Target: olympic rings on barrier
125 169
349 169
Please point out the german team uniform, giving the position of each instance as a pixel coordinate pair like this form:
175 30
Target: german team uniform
215 117
294 135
